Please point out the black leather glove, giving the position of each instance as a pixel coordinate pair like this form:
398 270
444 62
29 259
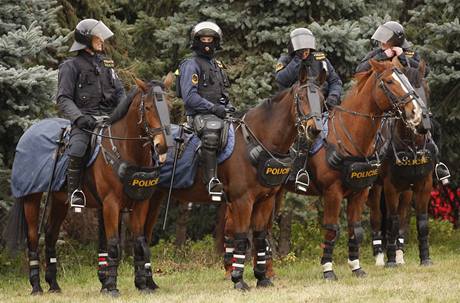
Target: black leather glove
332 101
219 111
86 122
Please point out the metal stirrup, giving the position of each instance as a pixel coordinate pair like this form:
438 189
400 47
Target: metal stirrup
215 196
444 180
300 185
77 207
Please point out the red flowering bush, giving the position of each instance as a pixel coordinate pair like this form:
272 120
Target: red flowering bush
444 203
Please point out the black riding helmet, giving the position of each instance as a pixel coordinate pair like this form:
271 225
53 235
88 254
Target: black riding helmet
84 32
393 33
202 29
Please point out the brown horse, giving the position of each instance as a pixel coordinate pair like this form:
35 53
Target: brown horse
275 124
131 142
352 132
406 176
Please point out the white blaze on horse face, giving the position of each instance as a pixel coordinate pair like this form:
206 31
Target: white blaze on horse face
417 111
157 142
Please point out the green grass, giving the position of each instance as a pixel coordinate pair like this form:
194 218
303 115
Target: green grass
193 274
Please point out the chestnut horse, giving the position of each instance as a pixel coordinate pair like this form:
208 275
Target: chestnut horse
134 137
275 124
352 131
406 176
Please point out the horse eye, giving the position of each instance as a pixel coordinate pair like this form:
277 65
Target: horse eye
389 81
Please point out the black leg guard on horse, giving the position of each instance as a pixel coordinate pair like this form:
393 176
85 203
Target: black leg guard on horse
142 267
377 243
102 250
422 235
400 242
51 270
392 236
228 254
239 256
260 268
34 272
353 249
113 259
326 259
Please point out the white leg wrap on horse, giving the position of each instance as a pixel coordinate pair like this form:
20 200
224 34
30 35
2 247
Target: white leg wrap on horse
400 257
380 259
229 249
327 266
354 265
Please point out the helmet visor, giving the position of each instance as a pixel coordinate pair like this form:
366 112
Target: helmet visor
382 34
302 41
101 30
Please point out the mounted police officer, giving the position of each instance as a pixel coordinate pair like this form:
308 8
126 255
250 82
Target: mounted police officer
88 87
392 42
203 85
301 50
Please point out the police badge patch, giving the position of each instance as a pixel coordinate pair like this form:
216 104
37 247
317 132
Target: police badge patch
279 66
109 63
194 79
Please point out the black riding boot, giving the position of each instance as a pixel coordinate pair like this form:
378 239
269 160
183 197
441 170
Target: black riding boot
74 173
209 160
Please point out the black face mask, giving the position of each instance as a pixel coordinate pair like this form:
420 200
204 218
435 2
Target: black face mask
205 49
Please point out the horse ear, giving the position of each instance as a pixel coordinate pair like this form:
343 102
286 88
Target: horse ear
422 68
377 66
397 63
322 77
141 84
169 80
303 76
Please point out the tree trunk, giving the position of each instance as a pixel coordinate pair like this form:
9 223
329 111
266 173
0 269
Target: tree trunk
181 223
285 224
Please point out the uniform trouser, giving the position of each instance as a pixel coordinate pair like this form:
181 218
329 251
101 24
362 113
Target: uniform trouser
78 142
208 127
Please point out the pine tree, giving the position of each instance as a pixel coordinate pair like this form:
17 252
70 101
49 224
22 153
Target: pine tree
29 41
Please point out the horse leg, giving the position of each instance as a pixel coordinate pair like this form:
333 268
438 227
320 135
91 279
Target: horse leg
229 245
422 198
404 211
31 212
102 248
142 265
111 213
332 200
373 202
152 217
261 215
392 232
57 215
240 211
355 231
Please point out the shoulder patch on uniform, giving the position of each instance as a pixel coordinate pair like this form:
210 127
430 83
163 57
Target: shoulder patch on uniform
220 64
194 79
319 56
177 72
109 63
279 66
409 53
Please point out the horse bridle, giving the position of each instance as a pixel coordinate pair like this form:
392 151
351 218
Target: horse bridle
151 132
301 117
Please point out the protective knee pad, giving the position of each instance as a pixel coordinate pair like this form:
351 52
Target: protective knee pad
329 244
78 144
358 232
229 249
422 225
113 249
34 267
51 266
210 139
141 248
377 242
355 241
393 229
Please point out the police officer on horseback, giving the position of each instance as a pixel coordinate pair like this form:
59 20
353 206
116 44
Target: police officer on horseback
393 43
88 88
203 85
301 48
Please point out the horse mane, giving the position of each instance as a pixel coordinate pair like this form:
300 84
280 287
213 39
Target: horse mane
123 107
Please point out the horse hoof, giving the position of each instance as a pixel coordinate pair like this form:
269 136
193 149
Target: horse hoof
242 286
147 291
380 260
391 264
37 292
152 285
264 283
329 276
114 293
426 262
55 290
359 273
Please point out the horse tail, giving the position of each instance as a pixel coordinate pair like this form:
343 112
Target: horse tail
15 232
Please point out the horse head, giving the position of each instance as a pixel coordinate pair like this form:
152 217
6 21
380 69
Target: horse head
394 91
309 102
154 116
